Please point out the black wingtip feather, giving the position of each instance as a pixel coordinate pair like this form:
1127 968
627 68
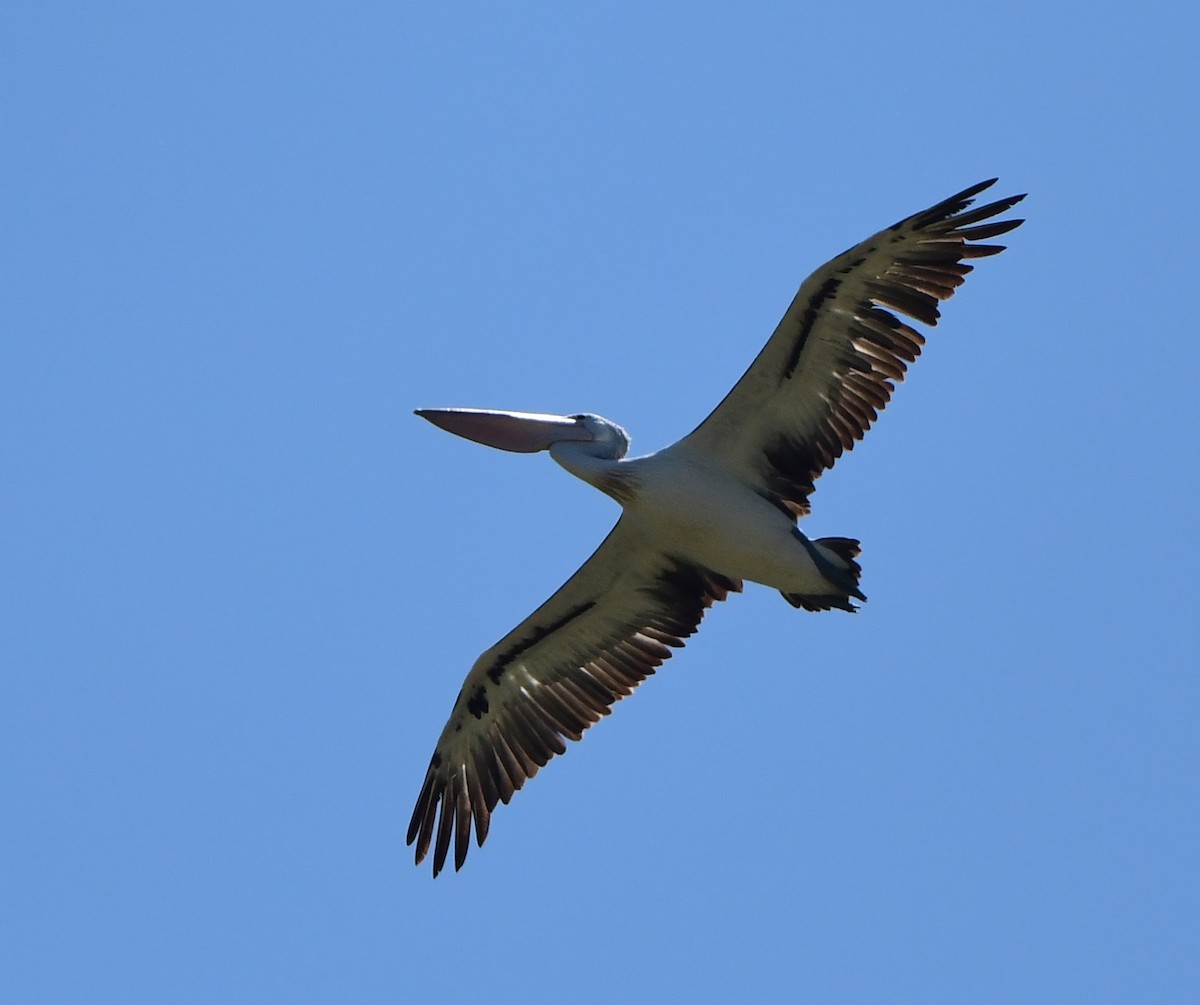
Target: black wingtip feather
946 208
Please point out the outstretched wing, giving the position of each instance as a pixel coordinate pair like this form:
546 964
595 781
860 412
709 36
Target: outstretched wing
827 371
558 672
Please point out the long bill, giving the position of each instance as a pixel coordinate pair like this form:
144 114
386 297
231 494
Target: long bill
522 432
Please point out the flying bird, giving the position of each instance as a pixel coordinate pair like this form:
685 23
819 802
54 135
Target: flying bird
718 507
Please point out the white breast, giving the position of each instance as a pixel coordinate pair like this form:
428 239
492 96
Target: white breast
702 513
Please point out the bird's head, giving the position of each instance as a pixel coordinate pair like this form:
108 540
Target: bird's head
529 432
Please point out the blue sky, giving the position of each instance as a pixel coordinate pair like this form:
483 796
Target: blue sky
242 583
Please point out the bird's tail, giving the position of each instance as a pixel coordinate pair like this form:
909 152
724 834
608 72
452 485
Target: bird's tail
841 569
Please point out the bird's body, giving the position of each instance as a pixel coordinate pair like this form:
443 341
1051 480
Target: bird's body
715 509
686 505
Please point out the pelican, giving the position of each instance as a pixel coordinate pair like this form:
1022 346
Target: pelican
719 507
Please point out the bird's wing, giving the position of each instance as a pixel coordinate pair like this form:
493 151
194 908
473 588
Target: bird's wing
827 370
592 643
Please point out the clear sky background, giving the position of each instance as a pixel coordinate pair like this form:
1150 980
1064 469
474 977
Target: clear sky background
242 583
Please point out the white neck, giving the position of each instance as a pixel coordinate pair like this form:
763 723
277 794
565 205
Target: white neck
604 473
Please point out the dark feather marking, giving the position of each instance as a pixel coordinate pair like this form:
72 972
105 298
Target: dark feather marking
445 823
536 712
613 681
653 652
548 743
522 741
563 718
588 688
989 229
665 637
791 465
516 762
577 704
484 761
477 704
509 768
777 500
827 290
420 828
496 670
462 824
480 807
982 250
